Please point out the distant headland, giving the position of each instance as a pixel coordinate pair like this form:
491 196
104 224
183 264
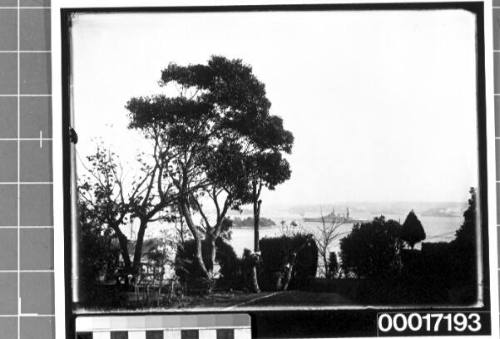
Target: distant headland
249 222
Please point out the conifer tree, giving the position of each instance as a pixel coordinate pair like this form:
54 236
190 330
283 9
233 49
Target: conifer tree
413 231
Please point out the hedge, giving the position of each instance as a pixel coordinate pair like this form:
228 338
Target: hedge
275 254
188 271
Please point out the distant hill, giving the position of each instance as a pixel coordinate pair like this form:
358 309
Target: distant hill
248 222
444 209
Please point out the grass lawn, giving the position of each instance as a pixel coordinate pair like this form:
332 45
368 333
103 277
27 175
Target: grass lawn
231 301
300 299
221 299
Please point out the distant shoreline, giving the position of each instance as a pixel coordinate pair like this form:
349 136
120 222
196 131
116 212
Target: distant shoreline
249 222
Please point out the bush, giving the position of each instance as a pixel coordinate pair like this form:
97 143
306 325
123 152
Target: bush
413 263
436 259
277 252
427 275
433 264
372 249
188 271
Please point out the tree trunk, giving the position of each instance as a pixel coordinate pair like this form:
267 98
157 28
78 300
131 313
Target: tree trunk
199 257
189 222
213 253
123 241
255 281
138 246
288 278
325 262
256 219
256 216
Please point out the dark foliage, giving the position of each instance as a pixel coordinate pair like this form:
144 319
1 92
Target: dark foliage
188 271
278 252
372 249
412 231
465 266
99 257
435 261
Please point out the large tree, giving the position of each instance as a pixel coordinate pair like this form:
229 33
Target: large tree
218 126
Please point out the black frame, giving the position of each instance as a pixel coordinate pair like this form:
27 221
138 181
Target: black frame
297 324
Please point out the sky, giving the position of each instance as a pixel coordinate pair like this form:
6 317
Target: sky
382 104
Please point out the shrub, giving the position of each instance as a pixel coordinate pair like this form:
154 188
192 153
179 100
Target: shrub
277 252
372 249
188 271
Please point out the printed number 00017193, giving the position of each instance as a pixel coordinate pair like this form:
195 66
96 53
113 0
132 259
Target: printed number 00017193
429 322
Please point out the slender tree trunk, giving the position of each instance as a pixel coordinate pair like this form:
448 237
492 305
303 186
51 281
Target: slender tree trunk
256 220
213 252
255 281
288 277
256 217
325 263
190 224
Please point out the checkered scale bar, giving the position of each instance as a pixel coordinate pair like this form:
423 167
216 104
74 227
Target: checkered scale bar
206 326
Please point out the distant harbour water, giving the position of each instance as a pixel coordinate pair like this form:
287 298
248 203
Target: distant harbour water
437 229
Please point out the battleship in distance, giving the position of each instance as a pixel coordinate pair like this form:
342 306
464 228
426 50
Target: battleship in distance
332 217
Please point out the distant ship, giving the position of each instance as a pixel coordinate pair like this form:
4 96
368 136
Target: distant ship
337 218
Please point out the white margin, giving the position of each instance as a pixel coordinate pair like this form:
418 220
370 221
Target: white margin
57 174
57 132
491 168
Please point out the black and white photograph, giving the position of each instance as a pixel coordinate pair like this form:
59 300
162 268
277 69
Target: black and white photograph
276 159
